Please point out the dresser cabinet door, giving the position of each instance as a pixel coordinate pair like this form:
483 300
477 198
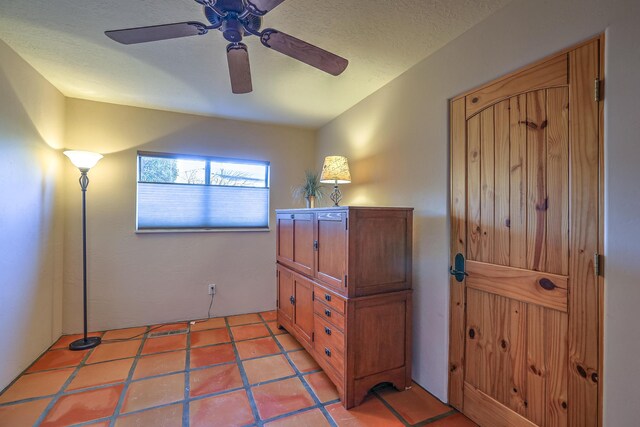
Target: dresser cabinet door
285 293
331 253
295 241
303 319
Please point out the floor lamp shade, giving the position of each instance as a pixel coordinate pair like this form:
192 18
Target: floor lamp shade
335 170
84 160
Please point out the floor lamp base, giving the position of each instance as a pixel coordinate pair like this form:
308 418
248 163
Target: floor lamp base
83 344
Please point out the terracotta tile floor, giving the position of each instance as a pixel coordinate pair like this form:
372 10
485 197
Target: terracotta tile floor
233 371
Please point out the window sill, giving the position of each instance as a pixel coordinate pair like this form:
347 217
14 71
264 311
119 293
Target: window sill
200 230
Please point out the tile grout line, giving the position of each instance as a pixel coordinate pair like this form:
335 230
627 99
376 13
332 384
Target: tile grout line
258 422
243 375
127 381
112 419
187 380
130 380
436 418
303 380
390 408
25 370
424 422
111 384
60 393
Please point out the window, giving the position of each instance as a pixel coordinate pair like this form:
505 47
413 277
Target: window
194 192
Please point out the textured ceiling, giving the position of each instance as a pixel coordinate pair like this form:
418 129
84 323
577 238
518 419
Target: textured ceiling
64 40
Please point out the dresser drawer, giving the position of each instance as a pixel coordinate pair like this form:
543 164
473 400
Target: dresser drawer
332 357
330 299
329 348
328 335
329 314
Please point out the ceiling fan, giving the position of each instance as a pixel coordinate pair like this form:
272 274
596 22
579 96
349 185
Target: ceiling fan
237 19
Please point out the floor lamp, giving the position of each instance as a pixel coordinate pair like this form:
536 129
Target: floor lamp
84 160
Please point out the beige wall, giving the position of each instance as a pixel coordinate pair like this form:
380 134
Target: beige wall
138 279
397 144
31 127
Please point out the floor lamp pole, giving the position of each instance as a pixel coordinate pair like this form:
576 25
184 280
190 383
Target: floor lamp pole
84 256
85 342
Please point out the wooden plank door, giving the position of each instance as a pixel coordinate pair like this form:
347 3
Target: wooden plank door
524 343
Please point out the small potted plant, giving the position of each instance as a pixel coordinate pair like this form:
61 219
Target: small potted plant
311 190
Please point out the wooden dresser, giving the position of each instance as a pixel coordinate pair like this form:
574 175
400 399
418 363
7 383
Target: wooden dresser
344 291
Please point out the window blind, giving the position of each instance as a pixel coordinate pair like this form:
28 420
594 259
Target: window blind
163 205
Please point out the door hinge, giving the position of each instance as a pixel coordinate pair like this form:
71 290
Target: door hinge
596 264
277 273
346 223
313 336
345 280
313 296
596 90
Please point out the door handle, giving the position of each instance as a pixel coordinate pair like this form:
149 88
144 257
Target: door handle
458 270
292 300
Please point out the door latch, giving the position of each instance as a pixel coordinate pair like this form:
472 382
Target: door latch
458 269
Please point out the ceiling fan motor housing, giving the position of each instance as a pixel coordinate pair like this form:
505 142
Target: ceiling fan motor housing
232 29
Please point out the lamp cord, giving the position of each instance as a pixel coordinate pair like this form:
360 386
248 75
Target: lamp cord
210 305
159 326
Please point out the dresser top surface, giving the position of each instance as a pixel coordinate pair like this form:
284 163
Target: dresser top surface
344 208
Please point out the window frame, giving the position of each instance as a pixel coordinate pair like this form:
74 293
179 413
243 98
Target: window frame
208 160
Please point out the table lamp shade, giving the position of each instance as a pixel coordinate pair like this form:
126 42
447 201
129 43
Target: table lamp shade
335 170
83 159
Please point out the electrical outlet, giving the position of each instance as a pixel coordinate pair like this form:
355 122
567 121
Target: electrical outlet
212 289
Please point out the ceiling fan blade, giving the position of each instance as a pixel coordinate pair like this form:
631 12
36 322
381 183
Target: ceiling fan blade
261 7
239 70
303 51
157 32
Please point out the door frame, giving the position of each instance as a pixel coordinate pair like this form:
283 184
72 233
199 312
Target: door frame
457 199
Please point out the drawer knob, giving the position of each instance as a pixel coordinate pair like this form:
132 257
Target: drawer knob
327 313
327 297
293 216
327 352
327 331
